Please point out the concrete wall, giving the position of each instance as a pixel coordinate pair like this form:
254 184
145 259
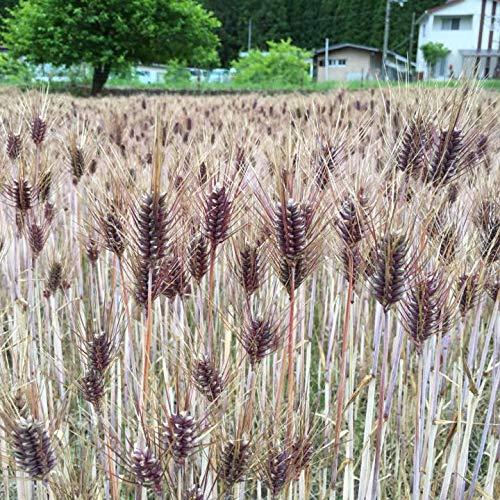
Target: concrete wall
466 38
150 74
360 64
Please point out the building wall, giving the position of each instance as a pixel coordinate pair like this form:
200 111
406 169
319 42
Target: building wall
360 64
150 74
466 38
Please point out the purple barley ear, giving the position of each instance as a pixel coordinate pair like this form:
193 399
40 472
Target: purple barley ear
415 140
77 162
290 229
492 287
277 470
93 388
482 147
175 281
217 216
390 270
468 292
92 250
207 379
20 194
113 232
180 436
198 257
453 192
151 228
445 163
300 268
329 158
92 166
14 146
147 469
32 448
301 453
202 174
249 271
234 461
100 350
48 212
291 226
37 235
424 309
351 226
38 129
260 337
55 278
351 221
488 222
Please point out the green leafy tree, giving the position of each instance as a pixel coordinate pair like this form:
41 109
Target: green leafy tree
5 6
15 70
283 64
108 34
433 52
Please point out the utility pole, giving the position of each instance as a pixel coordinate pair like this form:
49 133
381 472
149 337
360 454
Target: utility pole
410 48
327 59
386 37
387 25
249 34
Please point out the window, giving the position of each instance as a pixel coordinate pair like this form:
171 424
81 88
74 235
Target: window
450 24
423 30
442 67
337 62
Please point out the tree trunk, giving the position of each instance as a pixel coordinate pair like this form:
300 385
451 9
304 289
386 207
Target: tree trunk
99 78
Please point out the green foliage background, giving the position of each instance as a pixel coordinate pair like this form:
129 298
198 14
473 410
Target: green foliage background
308 22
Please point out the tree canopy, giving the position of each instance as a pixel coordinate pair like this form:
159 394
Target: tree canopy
110 33
309 22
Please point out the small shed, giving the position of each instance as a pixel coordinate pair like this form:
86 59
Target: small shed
349 61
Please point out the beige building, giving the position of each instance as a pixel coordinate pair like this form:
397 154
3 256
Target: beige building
349 62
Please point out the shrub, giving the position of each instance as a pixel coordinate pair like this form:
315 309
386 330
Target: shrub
433 51
15 69
283 64
177 74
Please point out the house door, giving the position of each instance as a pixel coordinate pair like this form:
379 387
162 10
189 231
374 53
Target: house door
441 67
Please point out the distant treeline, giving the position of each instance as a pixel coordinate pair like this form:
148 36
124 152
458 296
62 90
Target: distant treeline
308 22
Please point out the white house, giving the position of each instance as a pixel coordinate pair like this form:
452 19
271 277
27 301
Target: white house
470 29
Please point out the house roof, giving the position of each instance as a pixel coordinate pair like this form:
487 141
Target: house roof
367 48
339 46
449 3
480 53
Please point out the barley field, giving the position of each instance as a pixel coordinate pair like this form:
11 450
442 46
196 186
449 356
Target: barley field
250 297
